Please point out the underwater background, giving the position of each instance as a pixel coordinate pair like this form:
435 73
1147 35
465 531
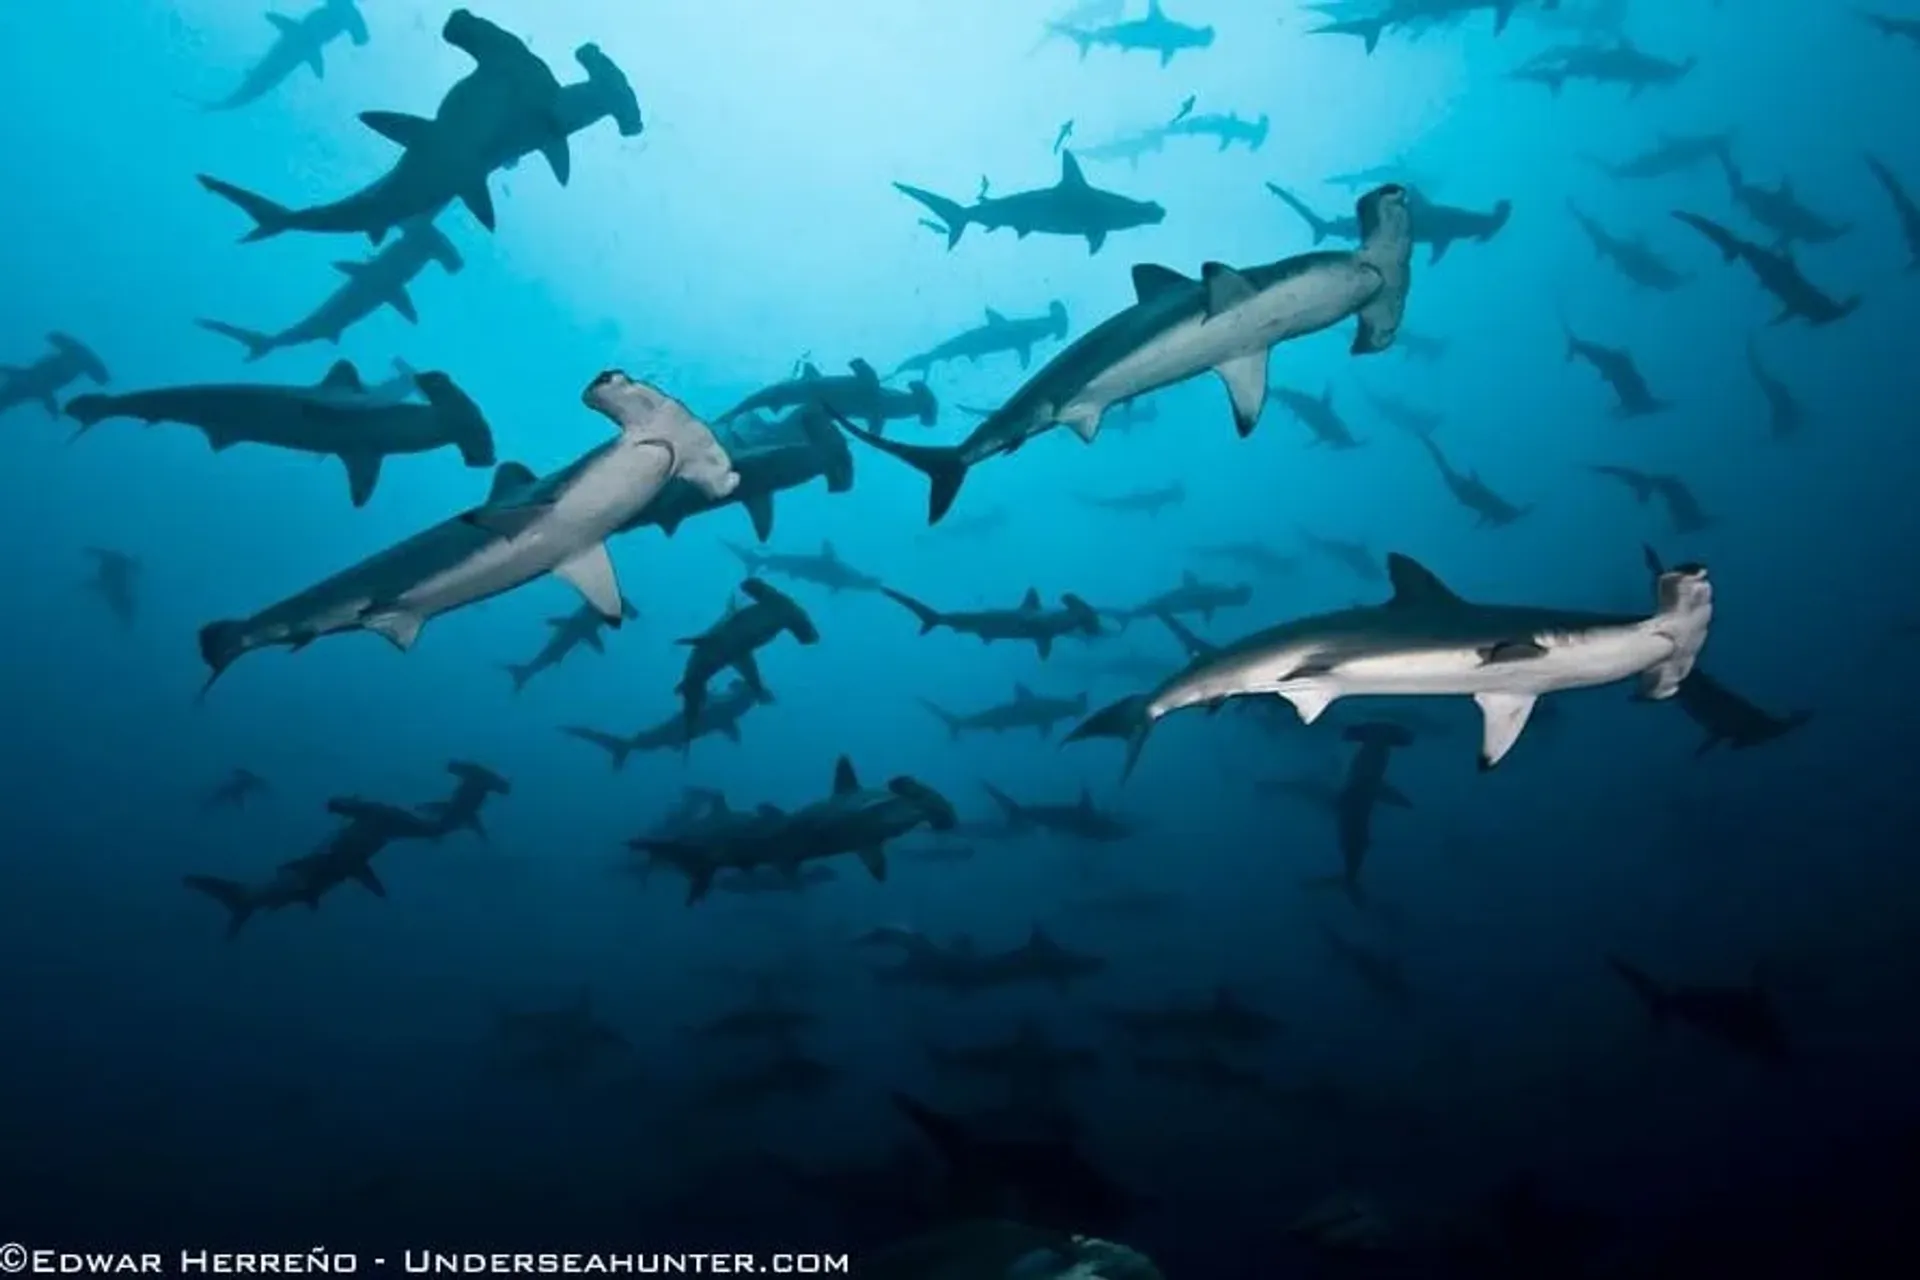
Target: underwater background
514 1047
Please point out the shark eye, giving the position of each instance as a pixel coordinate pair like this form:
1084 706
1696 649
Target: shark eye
610 375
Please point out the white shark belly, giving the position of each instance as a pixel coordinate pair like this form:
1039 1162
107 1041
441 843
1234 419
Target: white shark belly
605 495
338 603
1305 304
1568 663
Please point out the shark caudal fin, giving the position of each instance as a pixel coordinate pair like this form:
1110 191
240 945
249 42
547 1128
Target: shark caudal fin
269 218
230 894
955 726
929 616
616 747
257 344
951 213
942 465
1369 30
1386 245
1653 997
1684 615
1128 720
1320 227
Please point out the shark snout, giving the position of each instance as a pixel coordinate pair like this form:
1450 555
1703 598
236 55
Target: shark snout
1153 213
619 397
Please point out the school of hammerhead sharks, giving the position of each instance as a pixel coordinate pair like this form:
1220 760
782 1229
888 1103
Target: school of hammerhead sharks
665 466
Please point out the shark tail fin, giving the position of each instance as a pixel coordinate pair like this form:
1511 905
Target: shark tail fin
257 344
1016 815
949 1138
943 465
1652 996
1386 244
929 616
951 213
230 894
269 218
1128 719
616 747
952 721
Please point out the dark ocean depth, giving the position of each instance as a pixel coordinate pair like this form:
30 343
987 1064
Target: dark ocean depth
1207 639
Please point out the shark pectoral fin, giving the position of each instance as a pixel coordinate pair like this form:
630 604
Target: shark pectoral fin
370 881
1226 288
317 63
397 626
363 473
284 25
1309 703
590 572
397 126
1084 423
559 158
1392 795
749 668
1094 240
1511 651
1246 379
874 859
1506 715
402 302
594 642
760 511
480 202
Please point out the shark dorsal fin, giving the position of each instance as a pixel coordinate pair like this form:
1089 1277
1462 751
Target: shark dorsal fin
770 811
1188 578
864 372
809 370
826 550
994 317
1086 798
1414 584
1070 175
507 477
845 780
1030 601
1021 693
1151 280
1041 940
1153 10
342 377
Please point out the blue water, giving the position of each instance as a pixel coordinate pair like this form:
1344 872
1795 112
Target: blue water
336 1077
